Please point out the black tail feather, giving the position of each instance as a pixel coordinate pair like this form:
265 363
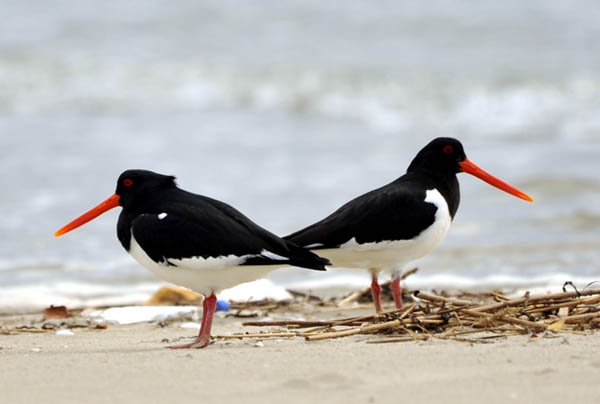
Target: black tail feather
295 256
301 257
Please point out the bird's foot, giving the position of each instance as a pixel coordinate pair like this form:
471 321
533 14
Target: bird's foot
198 343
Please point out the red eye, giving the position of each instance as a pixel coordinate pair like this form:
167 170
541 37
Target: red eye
127 182
448 149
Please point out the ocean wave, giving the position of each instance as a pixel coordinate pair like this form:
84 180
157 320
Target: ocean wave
335 284
524 106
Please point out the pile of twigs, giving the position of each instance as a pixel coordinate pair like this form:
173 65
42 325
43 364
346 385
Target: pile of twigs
432 316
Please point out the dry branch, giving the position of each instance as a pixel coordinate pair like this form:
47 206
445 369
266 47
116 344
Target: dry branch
533 299
435 298
493 315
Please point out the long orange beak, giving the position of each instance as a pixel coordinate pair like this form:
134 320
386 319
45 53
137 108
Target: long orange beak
111 202
469 167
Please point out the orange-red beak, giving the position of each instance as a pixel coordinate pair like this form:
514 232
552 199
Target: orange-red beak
469 167
111 202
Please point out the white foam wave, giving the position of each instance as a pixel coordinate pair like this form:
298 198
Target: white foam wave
141 314
336 283
340 282
390 103
75 295
35 297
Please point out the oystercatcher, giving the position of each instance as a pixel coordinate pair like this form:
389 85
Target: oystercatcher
385 229
192 240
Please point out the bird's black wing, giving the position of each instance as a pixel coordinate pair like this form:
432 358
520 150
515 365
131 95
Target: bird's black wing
397 211
209 228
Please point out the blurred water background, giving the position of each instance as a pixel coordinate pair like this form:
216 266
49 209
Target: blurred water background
286 110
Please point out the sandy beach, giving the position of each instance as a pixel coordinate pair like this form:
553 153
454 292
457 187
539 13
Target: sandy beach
130 364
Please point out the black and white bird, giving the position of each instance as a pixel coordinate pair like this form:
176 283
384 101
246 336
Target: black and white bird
387 228
192 240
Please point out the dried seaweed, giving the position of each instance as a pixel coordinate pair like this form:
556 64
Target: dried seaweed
467 317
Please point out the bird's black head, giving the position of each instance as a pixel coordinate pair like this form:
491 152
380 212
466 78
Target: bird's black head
135 189
135 185
445 156
441 156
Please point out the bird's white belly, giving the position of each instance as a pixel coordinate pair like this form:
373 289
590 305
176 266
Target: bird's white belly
390 255
203 275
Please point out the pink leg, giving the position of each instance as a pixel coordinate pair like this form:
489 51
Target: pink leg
376 292
397 292
208 310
